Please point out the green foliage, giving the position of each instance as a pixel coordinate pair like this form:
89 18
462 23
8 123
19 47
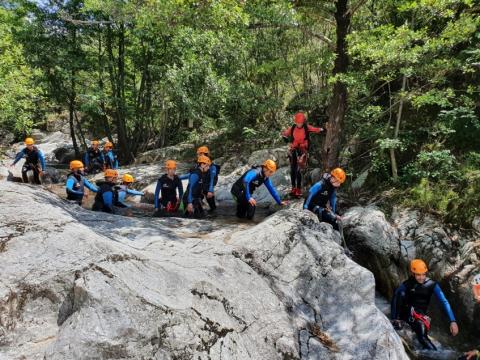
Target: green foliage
430 196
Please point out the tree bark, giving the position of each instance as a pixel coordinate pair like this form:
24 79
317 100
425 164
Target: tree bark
338 103
72 96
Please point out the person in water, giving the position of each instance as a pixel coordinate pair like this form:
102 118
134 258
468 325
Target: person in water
123 190
106 194
299 137
166 200
324 193
243 189
474 354
109 158
410 303
93 158
193 197
34 161
76 183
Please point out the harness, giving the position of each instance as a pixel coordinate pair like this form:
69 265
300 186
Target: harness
305 129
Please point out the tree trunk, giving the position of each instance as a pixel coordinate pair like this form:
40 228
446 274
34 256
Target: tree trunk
338 103
71 98
393 160
106 124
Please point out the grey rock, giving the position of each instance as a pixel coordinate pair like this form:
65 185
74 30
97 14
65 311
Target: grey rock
279 155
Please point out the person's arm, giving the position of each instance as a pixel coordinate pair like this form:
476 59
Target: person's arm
287 133
19 156
251 175
398 297
89 185
273 191
192 181
157 193
135 192
213 173
313 191
445 304
184 176
333 201
69 187
180 189
115 162
314 129
108 201
42 160
86 159
121 199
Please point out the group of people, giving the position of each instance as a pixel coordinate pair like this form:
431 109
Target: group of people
96 160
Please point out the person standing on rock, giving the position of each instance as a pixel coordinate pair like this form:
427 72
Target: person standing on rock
106 195
34 161
322 197
211 178
166 199
410 303
124 190
109 158
76 183
193 197
299 137
93 158
243 189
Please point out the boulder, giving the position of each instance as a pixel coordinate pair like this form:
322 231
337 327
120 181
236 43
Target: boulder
176 152
279 155
82 285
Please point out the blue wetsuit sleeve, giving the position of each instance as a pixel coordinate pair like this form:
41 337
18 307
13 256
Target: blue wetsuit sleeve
180 189
157 192
398 296
86 159
445 304
184 176
108 200
69 187
333 201
192 181
313 191
251 175
115 162
273 191
42 160
19 156
135 192
121 199
89 185
213 173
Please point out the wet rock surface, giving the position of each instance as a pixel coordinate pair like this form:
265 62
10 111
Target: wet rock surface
77 285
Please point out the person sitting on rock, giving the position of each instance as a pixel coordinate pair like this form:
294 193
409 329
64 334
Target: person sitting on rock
193 196
324 192
166 199
34 161
243 189
93 158
76 183
123 190
299 137
474 354
109 158
211 179
106 194
410 303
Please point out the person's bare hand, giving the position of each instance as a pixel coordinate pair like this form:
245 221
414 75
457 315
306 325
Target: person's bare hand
190 208
252 202
454 328
209 194
472 355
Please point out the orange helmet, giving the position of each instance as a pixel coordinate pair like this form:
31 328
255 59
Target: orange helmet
202 159
418 266
108 144
203 150
339 174
128 178
111 173
270 165
299 118
76 164
29 141
95 142
170 164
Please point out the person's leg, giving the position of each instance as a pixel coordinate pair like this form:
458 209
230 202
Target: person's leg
329 217
293 168
420 330
36 175
25 169
198 211
211 203
250 211
298 173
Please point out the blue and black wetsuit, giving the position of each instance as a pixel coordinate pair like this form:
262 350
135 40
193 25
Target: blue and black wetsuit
106 197
122 191
243 189
411 295
109 160
166 193
93 160
75 187
320 194
209 183
194 193
34 160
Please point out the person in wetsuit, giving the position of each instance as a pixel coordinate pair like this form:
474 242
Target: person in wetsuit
93 158
34 161
76 183
193 196
243 189
410 303
324 193
106 195
167 201
109 158
299 137
123 190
